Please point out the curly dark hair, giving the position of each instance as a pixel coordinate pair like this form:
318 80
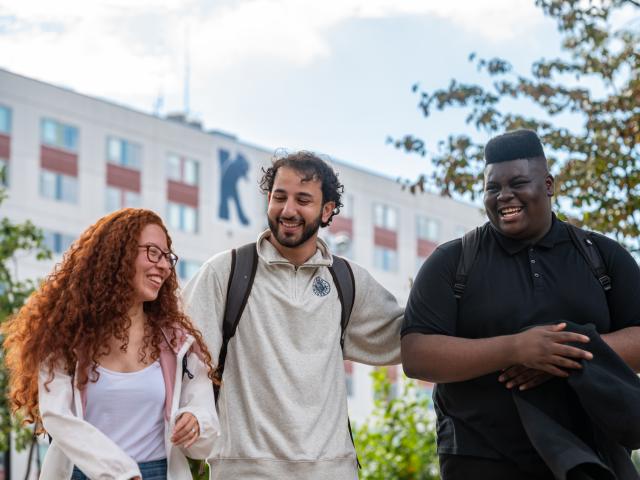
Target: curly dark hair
84 303
313 168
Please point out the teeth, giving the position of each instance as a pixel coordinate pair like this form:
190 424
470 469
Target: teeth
290 225
510 210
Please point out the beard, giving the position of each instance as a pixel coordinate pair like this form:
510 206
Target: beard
292 241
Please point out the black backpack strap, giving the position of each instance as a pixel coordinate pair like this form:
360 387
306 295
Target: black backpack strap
244 262
588 249
185 370
470 247
345 284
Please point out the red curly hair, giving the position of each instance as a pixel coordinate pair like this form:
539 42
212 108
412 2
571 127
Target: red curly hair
84 303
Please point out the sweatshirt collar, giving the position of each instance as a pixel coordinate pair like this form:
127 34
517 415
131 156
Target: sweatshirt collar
268 253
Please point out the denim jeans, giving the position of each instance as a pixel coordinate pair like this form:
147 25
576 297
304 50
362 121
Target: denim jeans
156 470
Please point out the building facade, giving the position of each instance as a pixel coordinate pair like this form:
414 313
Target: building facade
69 159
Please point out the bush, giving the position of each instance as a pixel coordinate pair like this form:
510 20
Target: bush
398 440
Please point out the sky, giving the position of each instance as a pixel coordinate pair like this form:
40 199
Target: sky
331 76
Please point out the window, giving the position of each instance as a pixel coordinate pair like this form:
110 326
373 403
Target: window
428 228
118 198
339 243
348 375
57 242
385 259
59 135
124 153
347 206
57 186
182 169
5 120
4 172
350 385
187 269
385 216
183 217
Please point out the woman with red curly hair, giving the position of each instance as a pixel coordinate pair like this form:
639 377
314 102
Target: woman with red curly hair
103 358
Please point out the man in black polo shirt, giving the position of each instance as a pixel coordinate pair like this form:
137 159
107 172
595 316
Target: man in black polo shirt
527 272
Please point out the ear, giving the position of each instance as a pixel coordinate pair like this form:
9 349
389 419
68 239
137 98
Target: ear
327 210
549 184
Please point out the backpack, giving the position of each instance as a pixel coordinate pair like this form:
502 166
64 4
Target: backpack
244 263
580 238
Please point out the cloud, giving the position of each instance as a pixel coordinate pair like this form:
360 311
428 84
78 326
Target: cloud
296 31
116 47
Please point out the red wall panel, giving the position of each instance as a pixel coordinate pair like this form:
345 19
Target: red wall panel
5 146
122 177
182 193
425 247
341 225
58 161
385 238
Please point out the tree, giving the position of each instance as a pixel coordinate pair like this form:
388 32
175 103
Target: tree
15 239
398 440
597 83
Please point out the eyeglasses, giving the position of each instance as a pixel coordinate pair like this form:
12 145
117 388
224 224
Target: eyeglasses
154 254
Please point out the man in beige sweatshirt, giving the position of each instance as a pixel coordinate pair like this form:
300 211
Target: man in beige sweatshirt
283 402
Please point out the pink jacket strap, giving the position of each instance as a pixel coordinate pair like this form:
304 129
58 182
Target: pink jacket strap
168 365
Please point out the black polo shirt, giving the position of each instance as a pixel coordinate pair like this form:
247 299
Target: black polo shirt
513 285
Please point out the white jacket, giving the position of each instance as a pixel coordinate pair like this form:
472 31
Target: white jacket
77 442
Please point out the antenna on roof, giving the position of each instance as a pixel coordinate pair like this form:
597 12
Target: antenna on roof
158 104
187 71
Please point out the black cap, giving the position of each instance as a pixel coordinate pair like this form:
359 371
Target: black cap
514 145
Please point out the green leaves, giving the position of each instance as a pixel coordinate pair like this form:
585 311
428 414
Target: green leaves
16 239
596 84
398 440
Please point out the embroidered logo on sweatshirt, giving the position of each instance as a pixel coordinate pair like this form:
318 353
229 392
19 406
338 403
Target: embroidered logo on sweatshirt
321 287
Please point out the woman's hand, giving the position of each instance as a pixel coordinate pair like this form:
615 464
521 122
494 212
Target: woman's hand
186 430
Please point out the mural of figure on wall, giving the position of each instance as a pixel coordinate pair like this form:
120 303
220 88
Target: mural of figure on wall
231 171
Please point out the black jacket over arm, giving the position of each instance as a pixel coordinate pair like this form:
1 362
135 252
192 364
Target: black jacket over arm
606 395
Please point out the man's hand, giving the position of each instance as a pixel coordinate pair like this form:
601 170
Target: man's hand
523 377
544 348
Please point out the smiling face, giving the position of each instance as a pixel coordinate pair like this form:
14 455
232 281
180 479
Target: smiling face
517 198
150 276
296 210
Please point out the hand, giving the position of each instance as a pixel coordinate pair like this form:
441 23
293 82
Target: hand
523 377
186 430
543 348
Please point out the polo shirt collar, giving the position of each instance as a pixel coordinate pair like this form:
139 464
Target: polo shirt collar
556 234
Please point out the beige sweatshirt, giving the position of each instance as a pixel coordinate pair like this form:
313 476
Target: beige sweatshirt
283 402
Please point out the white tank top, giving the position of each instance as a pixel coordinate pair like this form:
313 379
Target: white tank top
129 409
